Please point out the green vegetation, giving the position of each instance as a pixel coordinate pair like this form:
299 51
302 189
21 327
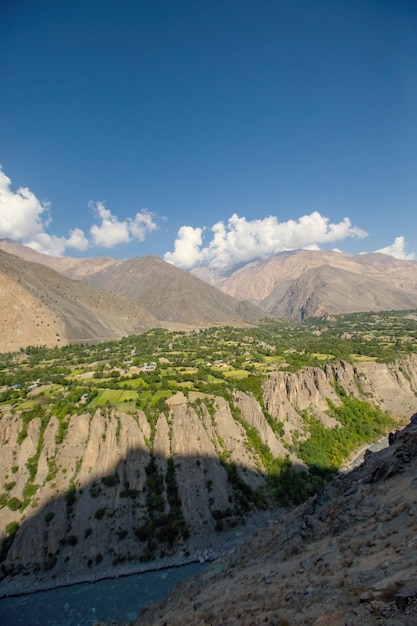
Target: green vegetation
14 504
326 449
12 528
165 525
142 373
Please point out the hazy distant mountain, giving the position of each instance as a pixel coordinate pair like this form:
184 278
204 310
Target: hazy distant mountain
67 265
304 283
172 294
326 289
39 306
292 285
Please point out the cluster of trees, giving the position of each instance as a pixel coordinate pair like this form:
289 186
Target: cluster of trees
165 525
326 449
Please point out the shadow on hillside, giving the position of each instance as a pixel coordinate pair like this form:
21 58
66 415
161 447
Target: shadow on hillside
147 512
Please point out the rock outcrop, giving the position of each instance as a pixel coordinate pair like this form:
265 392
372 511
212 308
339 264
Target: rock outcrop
344 558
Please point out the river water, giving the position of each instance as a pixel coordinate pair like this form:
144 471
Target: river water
118 600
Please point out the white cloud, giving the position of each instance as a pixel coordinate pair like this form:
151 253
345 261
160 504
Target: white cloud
397 250
141 225
56 246
111 232
22 215
77 240
187 248
240 240
25 219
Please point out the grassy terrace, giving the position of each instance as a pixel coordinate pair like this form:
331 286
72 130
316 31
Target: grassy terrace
141 369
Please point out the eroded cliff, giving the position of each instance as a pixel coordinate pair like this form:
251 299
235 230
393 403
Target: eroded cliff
118 490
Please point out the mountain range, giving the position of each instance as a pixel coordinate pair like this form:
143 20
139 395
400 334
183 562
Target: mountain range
51 300
42 304
311 283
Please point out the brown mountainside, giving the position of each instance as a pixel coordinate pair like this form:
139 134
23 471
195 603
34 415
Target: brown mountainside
41 307
172 294
292 285
303 283
325 289
67 265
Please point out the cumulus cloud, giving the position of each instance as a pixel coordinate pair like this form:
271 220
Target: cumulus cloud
112 232
56 246
397 250
239 240
24 218
77 240
22 215
187 247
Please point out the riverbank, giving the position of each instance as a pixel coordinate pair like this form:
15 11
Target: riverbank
21 587
110 601
215 547
358 456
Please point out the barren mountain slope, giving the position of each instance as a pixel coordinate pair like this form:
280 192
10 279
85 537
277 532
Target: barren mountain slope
284 285
267 282
347 557
256 280
395 272
168 293
171 294
69 266
330 290
40 306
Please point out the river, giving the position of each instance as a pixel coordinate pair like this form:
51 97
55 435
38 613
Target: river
112 600
359 456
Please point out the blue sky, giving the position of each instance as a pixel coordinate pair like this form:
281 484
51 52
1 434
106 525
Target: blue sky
208 131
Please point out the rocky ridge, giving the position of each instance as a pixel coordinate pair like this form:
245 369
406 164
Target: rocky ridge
292 285
172 294
305 283
41 307
347 557
55 300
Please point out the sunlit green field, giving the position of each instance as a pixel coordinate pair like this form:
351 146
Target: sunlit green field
28 404
236 374
114 396
273 359
362 358
321 356
134 383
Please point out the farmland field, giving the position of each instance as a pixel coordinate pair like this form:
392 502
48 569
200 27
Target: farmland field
113 396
